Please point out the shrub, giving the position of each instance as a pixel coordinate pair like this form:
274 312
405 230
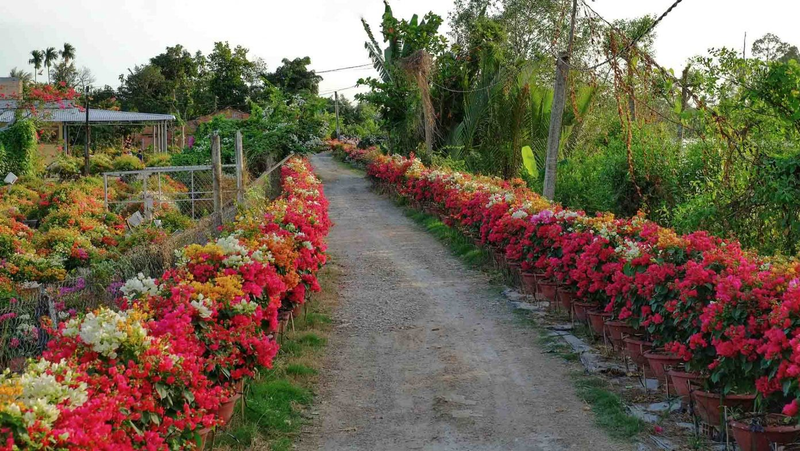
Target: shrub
158 160
127 163
65 167
173 221
100 163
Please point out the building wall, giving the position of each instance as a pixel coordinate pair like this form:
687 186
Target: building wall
10 87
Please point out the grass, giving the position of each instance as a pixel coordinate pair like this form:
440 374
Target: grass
609 410
277 399
459 244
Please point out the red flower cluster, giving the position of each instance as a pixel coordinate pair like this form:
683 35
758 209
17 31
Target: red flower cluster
727 312
154 373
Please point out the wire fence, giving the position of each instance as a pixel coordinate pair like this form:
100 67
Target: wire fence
25 320
186 189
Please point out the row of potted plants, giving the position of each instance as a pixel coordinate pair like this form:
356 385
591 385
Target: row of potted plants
168 364
712 312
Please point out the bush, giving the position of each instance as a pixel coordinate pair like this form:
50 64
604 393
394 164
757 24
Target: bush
173 221
100 163
127 163
18 148
158 160
66 167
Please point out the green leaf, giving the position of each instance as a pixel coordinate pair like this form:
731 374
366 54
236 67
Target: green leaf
162 390
530 162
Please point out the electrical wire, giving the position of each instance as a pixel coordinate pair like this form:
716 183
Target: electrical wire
341 69
337 90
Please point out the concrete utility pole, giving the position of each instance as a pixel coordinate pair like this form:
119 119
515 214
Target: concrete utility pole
336 94
557 111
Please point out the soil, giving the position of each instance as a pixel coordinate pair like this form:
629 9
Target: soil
426 354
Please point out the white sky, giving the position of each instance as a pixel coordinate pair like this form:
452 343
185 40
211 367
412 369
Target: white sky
113 35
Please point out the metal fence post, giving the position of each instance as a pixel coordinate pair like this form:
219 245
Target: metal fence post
239 168
216 171
105 191
193 194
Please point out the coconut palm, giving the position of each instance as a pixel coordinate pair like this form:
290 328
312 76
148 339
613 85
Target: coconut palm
24 77
50 57
37 58
67 53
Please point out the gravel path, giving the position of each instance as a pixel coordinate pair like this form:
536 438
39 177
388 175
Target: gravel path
426 354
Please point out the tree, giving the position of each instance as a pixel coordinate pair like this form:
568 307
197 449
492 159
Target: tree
228 69
293 76
24 77
50 57
67 53
145 89
770 48
37 58
400 104
181 72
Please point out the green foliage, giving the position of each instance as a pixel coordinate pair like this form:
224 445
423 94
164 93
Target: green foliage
18 146
173 221
100 163
529 162
397 99
157 160
127 163
66 167
293 77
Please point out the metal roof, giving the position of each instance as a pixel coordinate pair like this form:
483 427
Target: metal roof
71 114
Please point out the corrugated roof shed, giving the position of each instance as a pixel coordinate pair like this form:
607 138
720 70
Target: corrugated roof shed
71 114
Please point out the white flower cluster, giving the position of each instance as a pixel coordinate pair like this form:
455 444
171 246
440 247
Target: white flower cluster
519 214
106 331
246 307
630 250
203 306
140 285
42 393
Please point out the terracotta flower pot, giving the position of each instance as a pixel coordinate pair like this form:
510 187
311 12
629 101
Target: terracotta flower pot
581 308
636 348
709 406
297 310
202 436
598 321
548 290
661 362
529 283
752 434
566 296
225 411
617 331
684 383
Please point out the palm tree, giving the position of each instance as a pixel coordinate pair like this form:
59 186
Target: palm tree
50 56
24 77
37 60
68 53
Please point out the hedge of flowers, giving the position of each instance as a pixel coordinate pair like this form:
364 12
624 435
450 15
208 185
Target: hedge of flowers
153 374
728 314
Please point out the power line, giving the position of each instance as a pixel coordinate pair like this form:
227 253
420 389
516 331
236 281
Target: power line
341 68
338 90
614 28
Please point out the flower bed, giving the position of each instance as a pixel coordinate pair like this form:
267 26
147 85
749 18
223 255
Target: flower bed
729 314
155 373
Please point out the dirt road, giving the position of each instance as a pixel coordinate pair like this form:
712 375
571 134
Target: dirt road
426 354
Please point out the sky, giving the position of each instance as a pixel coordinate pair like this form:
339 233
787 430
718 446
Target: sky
113 35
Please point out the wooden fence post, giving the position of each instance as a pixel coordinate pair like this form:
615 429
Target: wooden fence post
216 172
239 168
